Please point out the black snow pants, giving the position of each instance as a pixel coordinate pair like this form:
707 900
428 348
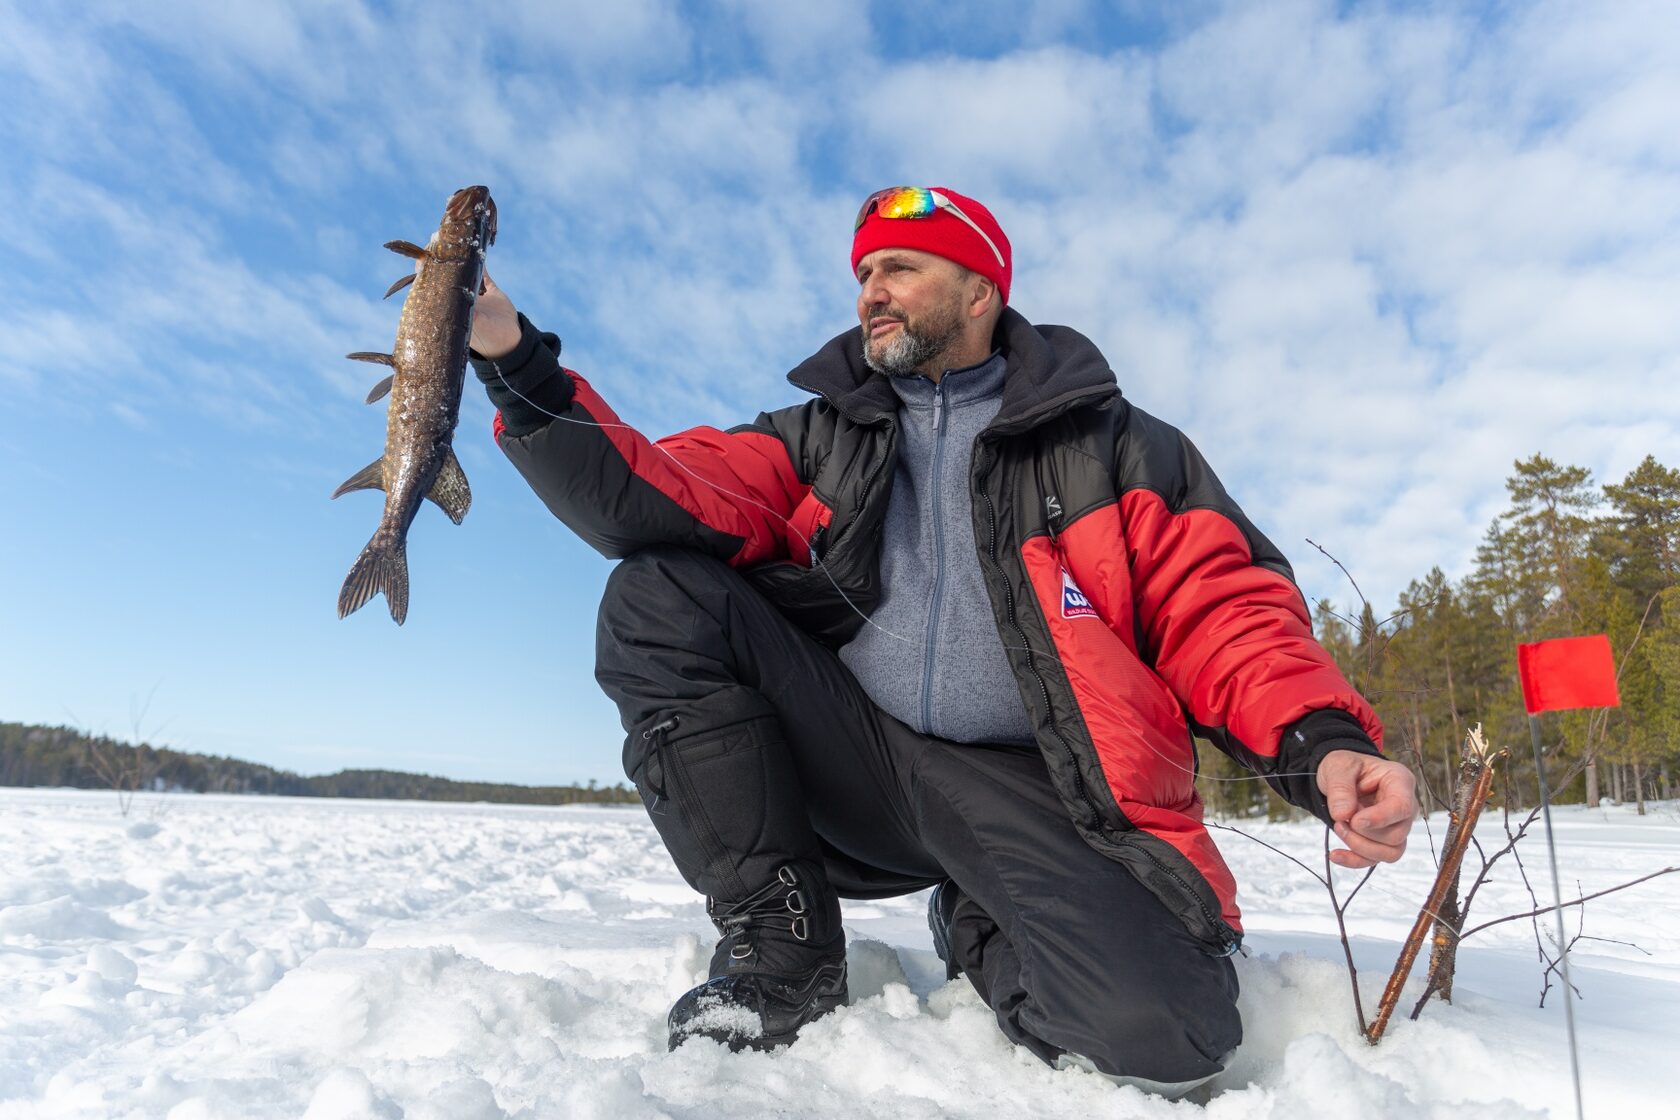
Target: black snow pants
776 755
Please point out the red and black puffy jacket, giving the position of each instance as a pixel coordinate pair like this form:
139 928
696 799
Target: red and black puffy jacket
1136 602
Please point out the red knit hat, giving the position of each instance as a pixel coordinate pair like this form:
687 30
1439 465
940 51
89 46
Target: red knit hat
943 234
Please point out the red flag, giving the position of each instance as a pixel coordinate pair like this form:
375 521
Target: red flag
1567 673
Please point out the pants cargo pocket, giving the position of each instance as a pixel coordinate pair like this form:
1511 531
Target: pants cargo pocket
726 800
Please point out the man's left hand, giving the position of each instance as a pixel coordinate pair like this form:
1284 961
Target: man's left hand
1372 802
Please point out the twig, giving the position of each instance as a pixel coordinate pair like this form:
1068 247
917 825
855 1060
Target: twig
1613 941
1263 844
1339 906
1510 849
1363 879
1572 902
1554 964
1341 925
1328 555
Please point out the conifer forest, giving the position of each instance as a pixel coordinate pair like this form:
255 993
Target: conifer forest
1568 556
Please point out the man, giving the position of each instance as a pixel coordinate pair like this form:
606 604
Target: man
952 623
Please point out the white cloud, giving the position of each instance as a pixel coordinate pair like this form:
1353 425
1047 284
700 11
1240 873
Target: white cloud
795 38
1366 259
1053 119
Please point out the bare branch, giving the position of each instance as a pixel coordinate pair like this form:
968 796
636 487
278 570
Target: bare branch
1555 964
1509 849
1572 902
1263 844
1613 941
1363 879
1326 880
1339 564
1341 927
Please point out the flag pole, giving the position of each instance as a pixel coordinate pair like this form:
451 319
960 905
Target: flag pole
1557 900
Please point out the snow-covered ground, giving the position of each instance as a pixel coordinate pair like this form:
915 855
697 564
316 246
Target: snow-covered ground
226 956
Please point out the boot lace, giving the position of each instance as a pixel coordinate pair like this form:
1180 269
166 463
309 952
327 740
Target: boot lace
778 900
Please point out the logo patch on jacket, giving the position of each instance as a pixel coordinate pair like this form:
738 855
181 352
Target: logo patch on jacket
1074 603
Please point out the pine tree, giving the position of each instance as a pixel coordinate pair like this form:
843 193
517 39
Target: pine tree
1638 547
1645 540
1551 524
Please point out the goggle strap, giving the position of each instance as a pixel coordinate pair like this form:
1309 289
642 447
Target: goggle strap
946 204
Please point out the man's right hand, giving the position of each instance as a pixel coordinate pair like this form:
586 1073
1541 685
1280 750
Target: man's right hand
495 324
1372 802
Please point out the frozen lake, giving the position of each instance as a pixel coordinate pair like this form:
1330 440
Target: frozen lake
215 956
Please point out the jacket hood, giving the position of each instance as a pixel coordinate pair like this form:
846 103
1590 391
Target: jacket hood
1050 368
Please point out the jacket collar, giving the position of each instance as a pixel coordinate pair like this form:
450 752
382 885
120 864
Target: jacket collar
1050 369
971 383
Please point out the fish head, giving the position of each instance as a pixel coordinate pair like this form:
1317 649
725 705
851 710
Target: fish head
469 224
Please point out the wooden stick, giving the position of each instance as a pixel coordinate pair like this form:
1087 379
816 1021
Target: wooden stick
1443 950
1451 857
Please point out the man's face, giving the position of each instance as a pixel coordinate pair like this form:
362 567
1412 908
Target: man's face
911 307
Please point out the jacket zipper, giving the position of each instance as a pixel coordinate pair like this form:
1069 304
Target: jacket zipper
930 644
1213 921
1026 647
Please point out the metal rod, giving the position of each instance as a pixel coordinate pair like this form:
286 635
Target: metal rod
1557 899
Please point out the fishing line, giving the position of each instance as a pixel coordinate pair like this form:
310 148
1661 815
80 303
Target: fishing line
816 560
819 563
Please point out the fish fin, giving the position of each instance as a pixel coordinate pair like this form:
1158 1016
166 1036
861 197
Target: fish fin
370 477
407 249
400 285
450 490
382 566
380 389
370 356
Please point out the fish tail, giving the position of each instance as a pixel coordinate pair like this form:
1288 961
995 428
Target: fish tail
382 566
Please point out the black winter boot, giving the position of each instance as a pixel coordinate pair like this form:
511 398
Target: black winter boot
781 962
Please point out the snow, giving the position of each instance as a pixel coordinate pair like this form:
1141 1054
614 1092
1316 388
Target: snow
217 956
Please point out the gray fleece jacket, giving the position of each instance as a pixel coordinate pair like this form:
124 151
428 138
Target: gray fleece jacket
931 656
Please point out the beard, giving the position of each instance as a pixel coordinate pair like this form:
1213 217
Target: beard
918 343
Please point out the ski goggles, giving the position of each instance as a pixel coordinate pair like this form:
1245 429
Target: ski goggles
917 202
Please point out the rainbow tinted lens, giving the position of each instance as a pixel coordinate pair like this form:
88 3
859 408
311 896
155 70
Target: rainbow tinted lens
918 202
897 202
907 202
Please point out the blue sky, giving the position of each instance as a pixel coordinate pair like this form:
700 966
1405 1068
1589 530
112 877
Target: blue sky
1366 255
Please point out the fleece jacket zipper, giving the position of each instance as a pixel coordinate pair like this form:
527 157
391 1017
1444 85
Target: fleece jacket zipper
930 643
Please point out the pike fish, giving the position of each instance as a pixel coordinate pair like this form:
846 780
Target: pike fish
428 367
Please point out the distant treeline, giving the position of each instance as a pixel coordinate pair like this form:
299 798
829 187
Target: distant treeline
62 756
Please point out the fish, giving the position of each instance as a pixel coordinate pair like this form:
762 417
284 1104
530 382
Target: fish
428 366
